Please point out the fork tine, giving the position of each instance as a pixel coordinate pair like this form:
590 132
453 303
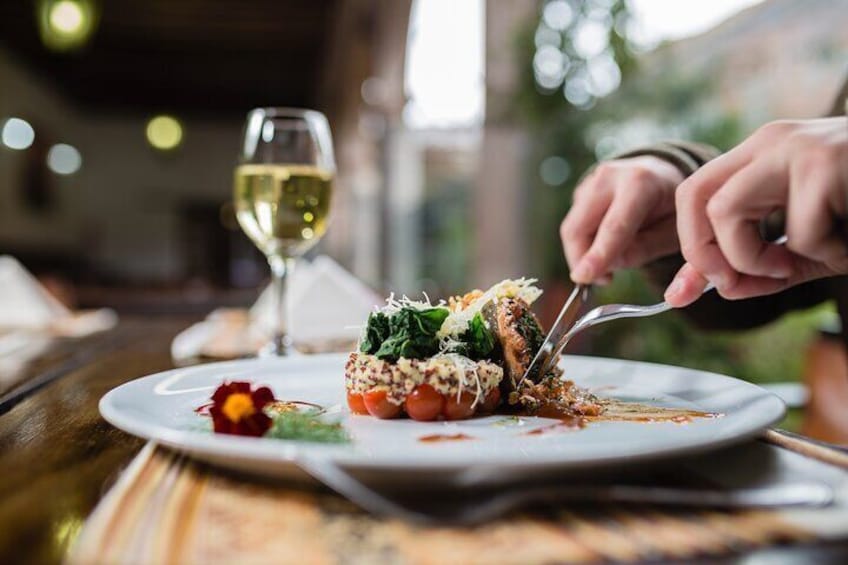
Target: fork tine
609 312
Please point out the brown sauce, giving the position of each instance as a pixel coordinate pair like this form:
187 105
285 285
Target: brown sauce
608 410
280 406
620 411
444 437
568 417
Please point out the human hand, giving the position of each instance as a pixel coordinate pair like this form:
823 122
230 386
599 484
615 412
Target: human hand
798 166
623 216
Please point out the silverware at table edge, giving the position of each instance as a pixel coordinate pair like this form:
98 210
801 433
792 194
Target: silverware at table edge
802 493
808 447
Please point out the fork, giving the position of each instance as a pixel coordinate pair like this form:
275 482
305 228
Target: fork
609 312
488 505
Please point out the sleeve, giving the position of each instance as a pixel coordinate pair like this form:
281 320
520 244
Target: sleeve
686 156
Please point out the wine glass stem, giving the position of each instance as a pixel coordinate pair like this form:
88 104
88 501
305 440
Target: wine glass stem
281 272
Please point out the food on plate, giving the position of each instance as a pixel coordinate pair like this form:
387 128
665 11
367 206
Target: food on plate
239 408
520 337
458 359
449 385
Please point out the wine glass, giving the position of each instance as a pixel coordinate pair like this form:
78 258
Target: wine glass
283 186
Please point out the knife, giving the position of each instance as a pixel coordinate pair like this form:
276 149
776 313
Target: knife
546 355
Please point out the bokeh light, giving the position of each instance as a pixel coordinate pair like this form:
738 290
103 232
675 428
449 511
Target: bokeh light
66 24
17 134
66 17
591 38
550 66
577 92
164 132
558 15
604 74
64 159
554 170
574 51
547 36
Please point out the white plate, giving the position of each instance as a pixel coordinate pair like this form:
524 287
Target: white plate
161 407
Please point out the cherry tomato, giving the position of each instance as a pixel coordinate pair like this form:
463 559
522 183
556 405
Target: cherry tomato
378 405
491 401
424 403
356 403
459 410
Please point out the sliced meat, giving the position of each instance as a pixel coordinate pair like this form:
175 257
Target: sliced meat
517 331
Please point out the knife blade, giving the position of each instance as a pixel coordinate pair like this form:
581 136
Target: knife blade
545 356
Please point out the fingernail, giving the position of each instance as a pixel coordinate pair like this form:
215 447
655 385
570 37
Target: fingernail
673 289
582 272
780 272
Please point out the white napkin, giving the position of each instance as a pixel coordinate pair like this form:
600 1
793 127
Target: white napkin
30 319
26 306
24 303
328 305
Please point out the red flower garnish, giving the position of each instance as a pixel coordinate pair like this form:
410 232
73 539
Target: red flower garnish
236 409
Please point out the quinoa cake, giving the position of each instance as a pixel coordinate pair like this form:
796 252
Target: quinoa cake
448 360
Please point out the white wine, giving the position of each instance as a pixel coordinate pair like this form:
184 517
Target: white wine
283 208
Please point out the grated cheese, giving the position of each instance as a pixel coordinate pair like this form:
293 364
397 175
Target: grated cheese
394 305
457 322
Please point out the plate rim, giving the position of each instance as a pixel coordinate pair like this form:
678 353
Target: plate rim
291 452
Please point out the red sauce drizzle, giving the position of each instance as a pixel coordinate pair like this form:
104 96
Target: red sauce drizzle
566 424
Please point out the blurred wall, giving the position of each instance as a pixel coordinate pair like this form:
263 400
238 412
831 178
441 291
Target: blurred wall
121 209
498 202
23 95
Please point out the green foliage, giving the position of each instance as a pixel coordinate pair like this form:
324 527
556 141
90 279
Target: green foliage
446 234
409 333
306 426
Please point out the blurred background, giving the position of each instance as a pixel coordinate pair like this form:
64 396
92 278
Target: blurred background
461 128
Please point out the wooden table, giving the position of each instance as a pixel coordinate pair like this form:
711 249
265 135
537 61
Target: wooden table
58 457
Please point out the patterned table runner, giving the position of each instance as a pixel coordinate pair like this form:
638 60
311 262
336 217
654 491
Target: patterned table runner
169 509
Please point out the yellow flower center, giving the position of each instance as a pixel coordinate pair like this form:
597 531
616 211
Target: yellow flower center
238 406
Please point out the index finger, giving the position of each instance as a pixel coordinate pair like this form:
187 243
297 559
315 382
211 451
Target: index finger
581 223
697 239
736 211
